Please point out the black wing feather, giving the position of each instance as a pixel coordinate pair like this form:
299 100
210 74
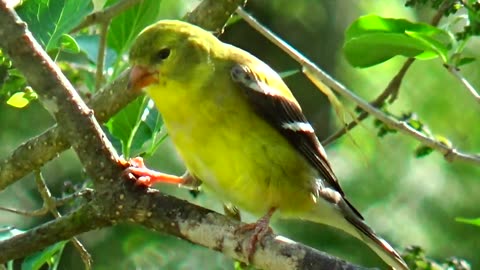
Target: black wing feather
278 110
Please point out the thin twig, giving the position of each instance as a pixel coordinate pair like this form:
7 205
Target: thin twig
106 14
102 48
308 67
51 204
390 91
455 72
85 193
35 213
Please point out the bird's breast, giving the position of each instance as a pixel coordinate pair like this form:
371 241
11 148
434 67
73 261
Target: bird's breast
237 154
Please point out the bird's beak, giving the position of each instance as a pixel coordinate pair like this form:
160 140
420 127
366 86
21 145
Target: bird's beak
141 77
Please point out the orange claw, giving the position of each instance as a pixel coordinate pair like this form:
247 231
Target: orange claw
147 177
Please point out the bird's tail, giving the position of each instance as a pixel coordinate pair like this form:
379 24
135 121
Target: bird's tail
376 243
349 220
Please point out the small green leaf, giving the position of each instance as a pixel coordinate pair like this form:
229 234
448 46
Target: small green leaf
371 40
444 140
135 125
50 256
423 151
415 123
18 100
122 126
472 221
465 60
68 43
30 94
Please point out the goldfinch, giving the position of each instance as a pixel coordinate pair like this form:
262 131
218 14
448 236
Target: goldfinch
240 131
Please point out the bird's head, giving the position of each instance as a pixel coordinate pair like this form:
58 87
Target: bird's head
168 50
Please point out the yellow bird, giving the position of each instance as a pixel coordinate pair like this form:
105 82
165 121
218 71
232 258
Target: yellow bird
240 131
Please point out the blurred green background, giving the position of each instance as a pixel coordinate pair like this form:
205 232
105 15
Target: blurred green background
407 200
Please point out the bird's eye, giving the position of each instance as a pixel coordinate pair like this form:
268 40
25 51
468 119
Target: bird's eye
162 54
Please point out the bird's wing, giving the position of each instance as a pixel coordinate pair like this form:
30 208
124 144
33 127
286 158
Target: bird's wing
273 101
284 114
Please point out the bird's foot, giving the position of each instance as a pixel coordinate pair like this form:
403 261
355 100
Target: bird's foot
260 229
147 177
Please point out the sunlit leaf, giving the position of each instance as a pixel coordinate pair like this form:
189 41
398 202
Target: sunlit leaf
443 140
371 40
18 100
415 123
472 221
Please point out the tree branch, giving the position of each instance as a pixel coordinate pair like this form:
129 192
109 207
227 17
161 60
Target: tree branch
455 72
164 213
390 91
54 231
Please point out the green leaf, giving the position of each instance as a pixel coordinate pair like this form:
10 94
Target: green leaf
13 82
49 20
444 140
68 43
122 126
135 125
423 151
155 122
472 221
415 123
371 40
465 60
436 47
22 99
89 45
18 100
125 27
51 256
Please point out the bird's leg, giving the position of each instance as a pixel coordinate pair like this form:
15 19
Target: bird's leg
260 229
148 177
